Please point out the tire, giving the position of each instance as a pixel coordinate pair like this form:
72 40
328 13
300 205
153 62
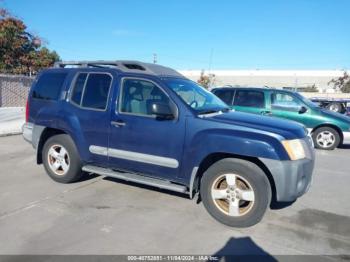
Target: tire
61 159
245 177
335 107
326 138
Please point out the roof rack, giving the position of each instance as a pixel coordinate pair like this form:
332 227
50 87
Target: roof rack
99 63
123 65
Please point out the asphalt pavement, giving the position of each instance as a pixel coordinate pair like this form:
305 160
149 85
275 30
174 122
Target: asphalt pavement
106 216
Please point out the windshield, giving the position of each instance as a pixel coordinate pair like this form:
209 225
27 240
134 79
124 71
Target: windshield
194 95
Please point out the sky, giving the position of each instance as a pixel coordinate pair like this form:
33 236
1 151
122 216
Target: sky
195 34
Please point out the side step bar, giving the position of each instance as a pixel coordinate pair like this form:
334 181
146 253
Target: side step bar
164 184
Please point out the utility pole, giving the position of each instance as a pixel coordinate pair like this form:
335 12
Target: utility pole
154 58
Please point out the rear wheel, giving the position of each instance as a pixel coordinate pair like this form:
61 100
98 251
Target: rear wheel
61 159
235 192
326 138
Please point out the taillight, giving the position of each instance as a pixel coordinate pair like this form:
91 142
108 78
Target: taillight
27 111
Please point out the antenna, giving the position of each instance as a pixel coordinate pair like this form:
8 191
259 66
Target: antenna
210 59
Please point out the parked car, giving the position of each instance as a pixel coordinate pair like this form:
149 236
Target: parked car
148 124
338 105
328 129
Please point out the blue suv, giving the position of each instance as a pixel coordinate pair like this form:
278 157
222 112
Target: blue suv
148 124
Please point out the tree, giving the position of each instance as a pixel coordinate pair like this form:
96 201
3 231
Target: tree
206 80
346 88
310 88
341 83
20 51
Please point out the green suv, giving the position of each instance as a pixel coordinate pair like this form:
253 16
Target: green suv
328 129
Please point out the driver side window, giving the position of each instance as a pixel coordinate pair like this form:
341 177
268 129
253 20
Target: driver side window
138 95
280 99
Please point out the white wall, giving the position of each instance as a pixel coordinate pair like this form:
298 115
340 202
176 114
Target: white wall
271 78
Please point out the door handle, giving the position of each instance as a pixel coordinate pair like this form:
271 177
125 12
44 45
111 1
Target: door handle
118 123
266 113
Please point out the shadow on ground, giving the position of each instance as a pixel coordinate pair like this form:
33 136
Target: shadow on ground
347 146
274 204
280 205
87 176
242 249
120 181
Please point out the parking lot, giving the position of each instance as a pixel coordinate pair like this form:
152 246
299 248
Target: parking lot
105 216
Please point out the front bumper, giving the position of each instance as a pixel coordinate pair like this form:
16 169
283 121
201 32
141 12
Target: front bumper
292 178
346 137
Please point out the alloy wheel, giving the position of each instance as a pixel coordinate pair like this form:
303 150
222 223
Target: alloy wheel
233 195
325 139
58 159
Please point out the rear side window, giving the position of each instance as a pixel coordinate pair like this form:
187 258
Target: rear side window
249 98
49 86
225 95
91 90
78 89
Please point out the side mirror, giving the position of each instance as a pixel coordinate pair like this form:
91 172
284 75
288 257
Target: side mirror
302 110
161 110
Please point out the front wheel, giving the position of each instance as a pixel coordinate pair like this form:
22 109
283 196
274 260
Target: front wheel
326 138
235 192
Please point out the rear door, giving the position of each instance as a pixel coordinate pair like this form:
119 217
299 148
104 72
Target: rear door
251 101
89 110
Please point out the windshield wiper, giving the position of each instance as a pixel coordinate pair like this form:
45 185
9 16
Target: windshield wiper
211 111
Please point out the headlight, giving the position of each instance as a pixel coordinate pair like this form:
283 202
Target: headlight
294 148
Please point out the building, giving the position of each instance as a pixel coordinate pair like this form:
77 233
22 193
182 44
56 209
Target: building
270 78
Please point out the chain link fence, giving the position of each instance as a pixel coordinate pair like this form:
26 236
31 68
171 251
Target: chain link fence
14 90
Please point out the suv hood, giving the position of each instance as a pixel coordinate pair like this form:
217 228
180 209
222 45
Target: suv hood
285 128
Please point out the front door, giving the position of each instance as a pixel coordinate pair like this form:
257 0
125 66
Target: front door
139 141
287 106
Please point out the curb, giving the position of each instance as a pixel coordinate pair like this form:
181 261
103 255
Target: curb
11 133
